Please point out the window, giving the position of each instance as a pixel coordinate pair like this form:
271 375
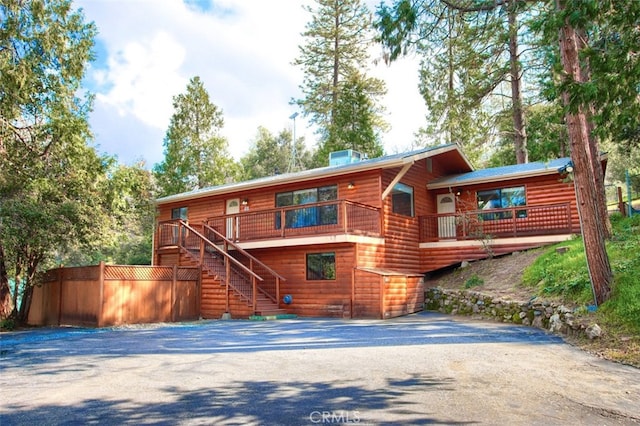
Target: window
321 266
402 199
310 216
179 213
502 199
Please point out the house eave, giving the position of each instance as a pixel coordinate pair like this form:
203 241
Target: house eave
522 175
310 175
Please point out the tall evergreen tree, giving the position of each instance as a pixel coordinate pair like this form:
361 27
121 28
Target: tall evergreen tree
353 126
333 59
470 51
195 154
50 179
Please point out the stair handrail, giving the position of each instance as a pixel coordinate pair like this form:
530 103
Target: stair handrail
244 252
222 252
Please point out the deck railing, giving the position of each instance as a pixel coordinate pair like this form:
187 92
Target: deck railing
238 269
517 221
328 217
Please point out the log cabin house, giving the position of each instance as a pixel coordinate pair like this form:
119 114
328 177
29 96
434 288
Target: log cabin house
355 239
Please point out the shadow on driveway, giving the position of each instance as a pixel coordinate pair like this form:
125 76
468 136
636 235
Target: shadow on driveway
215 336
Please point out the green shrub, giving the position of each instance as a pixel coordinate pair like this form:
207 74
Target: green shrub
7 324
473 281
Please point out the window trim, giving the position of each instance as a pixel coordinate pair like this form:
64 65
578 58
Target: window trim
401 188
182 213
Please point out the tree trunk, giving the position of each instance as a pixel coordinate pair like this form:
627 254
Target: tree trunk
586 181
6 303
520 132
594 146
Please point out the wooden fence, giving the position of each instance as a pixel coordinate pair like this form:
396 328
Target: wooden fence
105 295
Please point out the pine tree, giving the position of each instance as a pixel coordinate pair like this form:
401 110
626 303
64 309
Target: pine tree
196 155
334 62
472 62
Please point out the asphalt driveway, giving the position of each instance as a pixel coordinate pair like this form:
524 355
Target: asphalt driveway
420 369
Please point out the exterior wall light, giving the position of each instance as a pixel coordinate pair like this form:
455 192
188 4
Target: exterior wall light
351 185
567 168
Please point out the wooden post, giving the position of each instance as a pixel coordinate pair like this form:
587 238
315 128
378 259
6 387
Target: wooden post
254 286
198 292
174 283
344 216
60 277
621 202
381 278
101 291
227 273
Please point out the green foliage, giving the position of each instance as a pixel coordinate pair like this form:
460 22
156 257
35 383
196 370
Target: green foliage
624 304
566 274
50 185
561 274
270 155
546 136
467 70
8 324
195 154
333 60
609 29
473 281
354 125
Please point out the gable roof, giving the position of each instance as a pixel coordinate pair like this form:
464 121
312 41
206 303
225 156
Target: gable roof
385 162
495 174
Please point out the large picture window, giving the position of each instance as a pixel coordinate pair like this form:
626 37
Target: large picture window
503 198
308 216
321 266
402 199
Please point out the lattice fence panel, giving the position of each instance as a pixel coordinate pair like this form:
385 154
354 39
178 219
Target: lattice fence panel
141 273
188 274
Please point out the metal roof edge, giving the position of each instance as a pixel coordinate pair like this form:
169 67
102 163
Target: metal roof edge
308 175
484 179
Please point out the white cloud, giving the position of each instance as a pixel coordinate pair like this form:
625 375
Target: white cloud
241 49
143 77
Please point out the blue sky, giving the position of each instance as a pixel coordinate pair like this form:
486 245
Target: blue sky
147 50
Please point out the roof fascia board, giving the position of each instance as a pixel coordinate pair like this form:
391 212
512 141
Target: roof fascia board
312 175
492 179
549 171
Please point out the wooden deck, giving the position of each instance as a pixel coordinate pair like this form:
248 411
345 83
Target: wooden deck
349 218
521 221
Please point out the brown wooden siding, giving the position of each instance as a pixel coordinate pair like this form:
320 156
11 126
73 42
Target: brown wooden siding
402 295
400 251
366 298
321 298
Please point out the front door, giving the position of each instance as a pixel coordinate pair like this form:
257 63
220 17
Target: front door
233 207
446 224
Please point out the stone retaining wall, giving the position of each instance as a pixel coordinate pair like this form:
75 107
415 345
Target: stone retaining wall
542 314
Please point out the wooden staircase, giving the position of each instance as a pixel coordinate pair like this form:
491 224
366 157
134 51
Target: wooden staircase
220 269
